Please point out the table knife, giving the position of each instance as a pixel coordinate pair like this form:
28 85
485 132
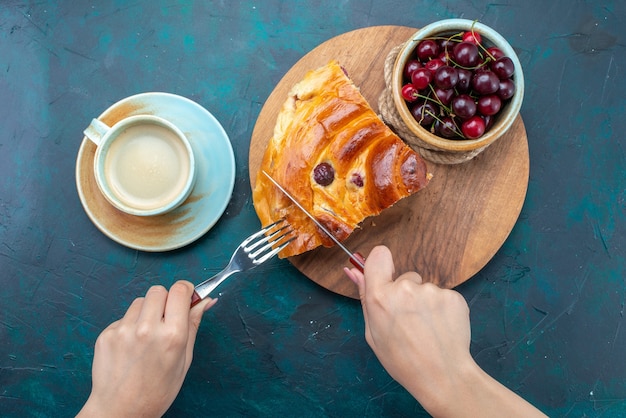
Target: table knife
355 258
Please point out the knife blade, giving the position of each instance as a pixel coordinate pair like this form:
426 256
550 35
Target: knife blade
355 258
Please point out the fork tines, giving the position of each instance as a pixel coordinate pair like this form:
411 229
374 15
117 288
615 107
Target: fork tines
277 236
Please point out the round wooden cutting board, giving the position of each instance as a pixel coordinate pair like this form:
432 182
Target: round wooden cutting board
446 232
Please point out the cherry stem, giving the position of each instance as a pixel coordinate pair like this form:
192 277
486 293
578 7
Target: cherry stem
456 127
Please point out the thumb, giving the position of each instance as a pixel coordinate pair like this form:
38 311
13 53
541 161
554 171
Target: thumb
379 268
195 318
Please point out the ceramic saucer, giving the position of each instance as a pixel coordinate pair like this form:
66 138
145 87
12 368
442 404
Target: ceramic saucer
215 165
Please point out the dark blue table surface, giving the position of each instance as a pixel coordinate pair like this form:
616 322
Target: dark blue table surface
547 312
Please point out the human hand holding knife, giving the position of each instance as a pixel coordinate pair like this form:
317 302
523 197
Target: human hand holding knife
355 258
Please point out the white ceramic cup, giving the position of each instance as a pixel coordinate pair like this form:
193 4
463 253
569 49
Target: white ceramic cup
144 165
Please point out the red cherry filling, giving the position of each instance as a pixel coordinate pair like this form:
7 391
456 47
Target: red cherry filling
324 174
357 179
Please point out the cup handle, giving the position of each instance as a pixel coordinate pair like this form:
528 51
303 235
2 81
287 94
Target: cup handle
96 131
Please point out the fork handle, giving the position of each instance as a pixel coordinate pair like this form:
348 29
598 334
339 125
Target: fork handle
195 299
203 290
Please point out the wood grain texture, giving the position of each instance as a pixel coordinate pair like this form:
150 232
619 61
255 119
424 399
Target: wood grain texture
446 232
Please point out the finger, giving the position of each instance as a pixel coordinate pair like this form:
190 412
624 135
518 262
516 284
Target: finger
203 306
379 268
357 277
359 280
195 317
177 307
153 304
209 305
132 313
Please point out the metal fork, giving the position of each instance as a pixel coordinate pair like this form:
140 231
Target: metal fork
253 251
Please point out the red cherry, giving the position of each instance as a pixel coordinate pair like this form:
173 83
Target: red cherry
463 106
434 64
489 120
446 77
466 54
489 105
446 127
424 113
427 49
474 127
411 65
503 68
409 92
473 37
447 44
444 95
421 78
507 89
465 80
495 52
444 57
485 82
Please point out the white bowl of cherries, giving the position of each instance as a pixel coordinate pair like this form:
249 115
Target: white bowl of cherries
457 85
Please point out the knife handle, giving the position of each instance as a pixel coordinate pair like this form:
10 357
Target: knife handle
358 261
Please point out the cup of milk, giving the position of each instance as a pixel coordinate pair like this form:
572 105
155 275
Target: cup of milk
143 165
